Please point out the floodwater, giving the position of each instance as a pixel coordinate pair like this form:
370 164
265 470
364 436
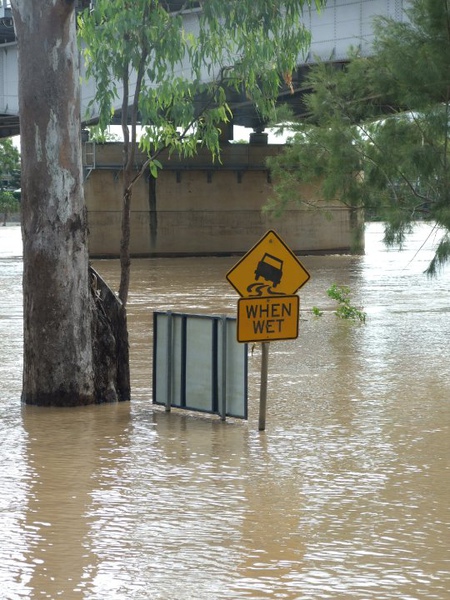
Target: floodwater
344 496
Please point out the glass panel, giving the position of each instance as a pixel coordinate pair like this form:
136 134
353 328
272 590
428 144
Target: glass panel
200 364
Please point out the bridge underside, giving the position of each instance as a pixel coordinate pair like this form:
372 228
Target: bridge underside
244 114
341 24
244 111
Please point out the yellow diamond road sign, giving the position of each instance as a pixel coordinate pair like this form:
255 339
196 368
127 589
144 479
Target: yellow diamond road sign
270 268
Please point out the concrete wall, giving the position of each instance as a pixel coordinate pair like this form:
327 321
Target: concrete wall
195 207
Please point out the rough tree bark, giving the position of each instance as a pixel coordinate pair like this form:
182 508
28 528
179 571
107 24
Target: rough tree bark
69 355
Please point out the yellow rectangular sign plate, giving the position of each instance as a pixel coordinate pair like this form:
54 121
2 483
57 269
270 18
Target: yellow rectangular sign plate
265 319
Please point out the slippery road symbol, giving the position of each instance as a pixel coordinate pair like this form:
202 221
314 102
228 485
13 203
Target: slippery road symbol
262 289
270 268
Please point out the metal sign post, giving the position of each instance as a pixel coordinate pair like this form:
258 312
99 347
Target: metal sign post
263 386
267 279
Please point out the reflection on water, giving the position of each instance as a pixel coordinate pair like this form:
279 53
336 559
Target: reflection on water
345 495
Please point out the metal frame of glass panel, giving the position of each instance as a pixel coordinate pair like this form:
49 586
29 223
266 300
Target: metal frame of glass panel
199 365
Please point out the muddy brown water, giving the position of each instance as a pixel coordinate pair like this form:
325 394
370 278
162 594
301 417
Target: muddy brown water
344 496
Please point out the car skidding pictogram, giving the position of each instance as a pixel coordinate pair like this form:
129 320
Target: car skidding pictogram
270 268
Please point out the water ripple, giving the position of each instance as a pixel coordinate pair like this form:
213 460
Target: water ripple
345 495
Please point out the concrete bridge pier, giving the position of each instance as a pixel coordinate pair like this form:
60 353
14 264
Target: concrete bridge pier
199 208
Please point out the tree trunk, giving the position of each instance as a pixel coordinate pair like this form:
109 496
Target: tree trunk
125 264
61 313
110 335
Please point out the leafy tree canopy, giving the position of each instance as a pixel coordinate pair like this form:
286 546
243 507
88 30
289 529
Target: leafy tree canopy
8 204
178 64
189 62
9 165
377 129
